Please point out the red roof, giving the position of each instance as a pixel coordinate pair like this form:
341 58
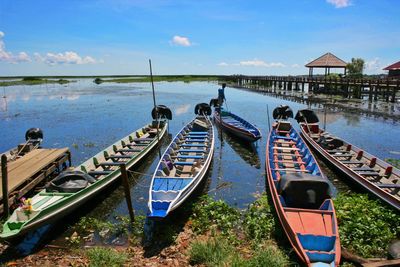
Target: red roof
395 66
327 60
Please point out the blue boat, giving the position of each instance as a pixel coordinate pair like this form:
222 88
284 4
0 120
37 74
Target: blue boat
183 165
236 125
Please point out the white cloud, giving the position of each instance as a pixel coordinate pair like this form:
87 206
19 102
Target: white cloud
373 65
339 3
68 57
295 65
223 64
261 63
181 41
8 56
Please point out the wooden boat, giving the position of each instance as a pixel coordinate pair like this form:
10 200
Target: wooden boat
33 137
301 194
371 173
234 124
183 165
73 188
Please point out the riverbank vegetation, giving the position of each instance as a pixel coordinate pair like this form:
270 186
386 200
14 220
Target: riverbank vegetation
216 234
33 81
168 78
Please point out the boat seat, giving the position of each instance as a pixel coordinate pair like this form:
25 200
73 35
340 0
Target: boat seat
191 151
119 157
193 145
184 163
105 164
190 157
367 169
388 185
368 173
198 133
128 150
98 173
286 148
289 161
194 140
352 162
290 170
142 139
285 138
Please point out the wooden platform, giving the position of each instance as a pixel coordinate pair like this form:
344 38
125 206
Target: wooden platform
29 170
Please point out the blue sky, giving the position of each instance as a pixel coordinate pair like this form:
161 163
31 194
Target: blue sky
39 37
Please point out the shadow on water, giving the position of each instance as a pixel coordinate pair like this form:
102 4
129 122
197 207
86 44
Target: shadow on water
246 150
159 234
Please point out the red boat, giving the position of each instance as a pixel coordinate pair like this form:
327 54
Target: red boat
301 194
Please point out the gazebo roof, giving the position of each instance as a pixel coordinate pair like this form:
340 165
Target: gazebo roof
395 66
327 61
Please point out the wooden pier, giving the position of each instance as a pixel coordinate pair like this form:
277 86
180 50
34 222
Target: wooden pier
374 89
33 168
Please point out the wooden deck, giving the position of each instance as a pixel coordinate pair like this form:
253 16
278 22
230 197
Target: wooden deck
28 171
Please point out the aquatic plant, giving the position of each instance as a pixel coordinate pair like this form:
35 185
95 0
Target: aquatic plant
208 212
366 226
100 257
394 162
258 221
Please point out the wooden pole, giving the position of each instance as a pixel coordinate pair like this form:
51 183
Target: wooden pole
155 108
124 177
5 185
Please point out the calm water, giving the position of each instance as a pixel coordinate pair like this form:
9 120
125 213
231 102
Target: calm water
87 118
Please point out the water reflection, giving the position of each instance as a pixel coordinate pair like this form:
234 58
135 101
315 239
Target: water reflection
247 151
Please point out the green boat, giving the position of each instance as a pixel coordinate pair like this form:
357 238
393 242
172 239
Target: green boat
72 188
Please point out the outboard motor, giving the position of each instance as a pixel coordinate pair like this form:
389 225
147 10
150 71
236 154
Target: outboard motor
282 112
161 112
214 102
34 136
202 109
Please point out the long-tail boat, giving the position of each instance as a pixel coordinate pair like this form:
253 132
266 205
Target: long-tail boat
73 188
234 124
301 194
371 173
183 165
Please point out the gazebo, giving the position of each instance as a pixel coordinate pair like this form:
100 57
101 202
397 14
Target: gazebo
394 70
326 61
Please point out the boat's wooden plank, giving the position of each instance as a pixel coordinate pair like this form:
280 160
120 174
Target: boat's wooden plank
294 220
313 223
328 224
33 163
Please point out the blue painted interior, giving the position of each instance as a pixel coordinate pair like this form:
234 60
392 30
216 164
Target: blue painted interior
170 183
317 242
320 257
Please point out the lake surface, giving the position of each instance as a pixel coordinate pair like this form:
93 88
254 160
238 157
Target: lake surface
87 118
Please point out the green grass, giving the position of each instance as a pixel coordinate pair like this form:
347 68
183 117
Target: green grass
101 257
33 81
143 79
213 252
366 226
394 162
269 255
258 222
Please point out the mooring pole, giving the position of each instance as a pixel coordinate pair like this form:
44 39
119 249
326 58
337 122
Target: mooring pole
124 177
155 108
4 175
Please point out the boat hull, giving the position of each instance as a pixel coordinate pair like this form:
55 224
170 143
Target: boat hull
64 206
161 203
304 224
240 133
352 175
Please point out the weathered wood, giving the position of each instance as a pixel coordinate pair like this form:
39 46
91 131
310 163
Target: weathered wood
384 88
124 177
386 263
4 184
